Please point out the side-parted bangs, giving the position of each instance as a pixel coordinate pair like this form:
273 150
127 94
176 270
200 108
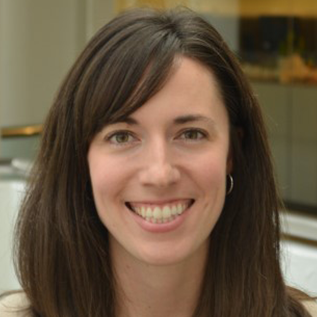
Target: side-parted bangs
127 62
131 65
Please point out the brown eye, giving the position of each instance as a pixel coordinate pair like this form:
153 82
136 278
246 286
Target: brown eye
121 138
192 135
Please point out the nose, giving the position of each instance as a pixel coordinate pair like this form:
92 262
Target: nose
158 168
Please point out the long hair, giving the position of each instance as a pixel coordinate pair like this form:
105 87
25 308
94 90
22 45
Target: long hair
62 254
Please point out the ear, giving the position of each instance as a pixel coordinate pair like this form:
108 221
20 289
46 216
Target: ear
239 136
229 162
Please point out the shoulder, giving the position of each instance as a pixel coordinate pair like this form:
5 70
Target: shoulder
311 306
14 305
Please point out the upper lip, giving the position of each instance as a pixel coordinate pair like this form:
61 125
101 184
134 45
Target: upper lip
161 202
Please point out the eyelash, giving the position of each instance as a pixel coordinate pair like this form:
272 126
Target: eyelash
119 133
202 135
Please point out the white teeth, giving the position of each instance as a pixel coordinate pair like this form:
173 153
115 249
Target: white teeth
157 213
160 214
166 212
148 213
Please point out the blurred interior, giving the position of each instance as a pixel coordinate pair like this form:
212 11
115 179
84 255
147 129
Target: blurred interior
276 43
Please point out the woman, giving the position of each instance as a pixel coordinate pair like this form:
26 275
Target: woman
153 193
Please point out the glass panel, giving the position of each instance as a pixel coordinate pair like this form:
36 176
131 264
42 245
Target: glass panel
278 40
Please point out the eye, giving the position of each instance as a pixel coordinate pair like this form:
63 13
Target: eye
193 135
120 138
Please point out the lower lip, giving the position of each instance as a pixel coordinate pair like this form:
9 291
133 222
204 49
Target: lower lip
160 227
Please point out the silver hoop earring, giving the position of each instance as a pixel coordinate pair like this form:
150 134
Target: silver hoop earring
231 184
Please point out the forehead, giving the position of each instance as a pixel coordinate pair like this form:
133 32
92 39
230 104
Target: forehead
188 73
190 90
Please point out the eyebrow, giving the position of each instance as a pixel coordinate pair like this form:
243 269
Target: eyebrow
193 118
128 120
179 120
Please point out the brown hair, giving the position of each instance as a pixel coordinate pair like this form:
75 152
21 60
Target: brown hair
62 246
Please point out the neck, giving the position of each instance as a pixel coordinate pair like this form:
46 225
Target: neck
157 290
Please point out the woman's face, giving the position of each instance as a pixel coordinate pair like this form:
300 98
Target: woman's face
159 177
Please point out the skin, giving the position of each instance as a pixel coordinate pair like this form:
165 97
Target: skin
174 149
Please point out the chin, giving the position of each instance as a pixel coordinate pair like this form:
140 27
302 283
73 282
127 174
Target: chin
167 255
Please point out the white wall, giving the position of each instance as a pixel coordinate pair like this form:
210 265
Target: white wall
39 41
98 12
11 193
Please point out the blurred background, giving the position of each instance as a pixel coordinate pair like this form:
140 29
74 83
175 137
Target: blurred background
276 43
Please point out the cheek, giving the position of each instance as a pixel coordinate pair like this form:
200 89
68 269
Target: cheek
109 178
210 177
104 179
211 169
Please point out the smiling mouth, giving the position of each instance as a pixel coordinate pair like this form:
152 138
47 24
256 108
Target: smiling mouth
160 213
